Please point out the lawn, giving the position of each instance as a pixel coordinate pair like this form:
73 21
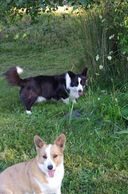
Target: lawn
96 154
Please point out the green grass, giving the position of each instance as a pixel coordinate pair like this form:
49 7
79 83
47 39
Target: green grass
96 154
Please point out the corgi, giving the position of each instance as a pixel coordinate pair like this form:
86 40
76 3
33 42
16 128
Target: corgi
66 87
41 175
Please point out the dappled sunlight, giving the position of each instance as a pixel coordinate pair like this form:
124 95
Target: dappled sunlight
64 9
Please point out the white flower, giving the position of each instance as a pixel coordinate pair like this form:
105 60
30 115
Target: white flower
88 6
100 16
124 53
98 98
101 67
102 20
24 35
103 91
109 57
111 37
97 57
110 52
116 99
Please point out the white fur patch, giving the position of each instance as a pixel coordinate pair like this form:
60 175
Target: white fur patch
28 112
44 167
40 99
66 101
74 91
79 85
54 183
31 193
19 70
68 80
73 101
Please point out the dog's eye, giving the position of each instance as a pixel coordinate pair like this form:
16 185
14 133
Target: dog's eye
55 156
82 82
44 156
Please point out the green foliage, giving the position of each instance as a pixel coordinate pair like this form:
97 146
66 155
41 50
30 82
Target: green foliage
115 13
96 148
32 8
116 22
13 8
104 31
101 33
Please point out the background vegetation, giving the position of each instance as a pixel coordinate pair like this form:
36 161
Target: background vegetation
95 35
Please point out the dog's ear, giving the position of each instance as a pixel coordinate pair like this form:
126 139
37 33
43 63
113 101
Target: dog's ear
60 141
39 143
84 72
71 74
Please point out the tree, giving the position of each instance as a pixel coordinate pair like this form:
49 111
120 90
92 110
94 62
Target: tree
33 7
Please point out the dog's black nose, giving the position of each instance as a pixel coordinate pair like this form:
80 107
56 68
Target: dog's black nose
50 167
79 91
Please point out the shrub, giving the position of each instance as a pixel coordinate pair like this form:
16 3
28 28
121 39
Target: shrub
104 38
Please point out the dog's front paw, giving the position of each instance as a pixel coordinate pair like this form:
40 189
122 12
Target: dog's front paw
74 101
66 101
28 112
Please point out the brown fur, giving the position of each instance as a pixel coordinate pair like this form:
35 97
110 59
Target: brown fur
19 178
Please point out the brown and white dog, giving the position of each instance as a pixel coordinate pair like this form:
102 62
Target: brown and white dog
41 175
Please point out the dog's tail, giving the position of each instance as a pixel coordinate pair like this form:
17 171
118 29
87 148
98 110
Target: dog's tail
12 76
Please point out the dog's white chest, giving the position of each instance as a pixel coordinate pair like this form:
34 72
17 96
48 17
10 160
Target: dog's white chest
54 183
73 93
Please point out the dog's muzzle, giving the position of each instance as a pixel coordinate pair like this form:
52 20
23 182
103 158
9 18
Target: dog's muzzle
51 172
80 92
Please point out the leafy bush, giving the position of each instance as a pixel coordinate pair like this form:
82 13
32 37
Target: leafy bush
32 8
104 34
13 8
102 29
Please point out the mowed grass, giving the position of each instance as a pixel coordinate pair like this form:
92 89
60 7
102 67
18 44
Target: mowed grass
96 154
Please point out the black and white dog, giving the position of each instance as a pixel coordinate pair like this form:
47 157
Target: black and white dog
66 87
